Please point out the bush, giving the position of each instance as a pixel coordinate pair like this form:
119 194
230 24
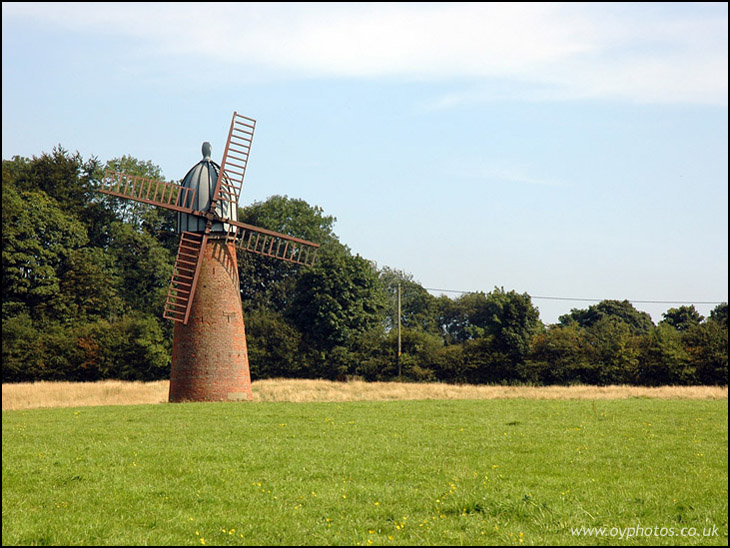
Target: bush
707 345
558 356
274 346
22 350
664 359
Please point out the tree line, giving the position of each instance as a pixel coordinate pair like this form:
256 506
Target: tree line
85 278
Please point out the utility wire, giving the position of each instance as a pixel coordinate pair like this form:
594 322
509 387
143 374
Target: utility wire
585 300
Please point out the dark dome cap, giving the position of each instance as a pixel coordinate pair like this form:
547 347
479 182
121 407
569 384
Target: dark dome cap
207 149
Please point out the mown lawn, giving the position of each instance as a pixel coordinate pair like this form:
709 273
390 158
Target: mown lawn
458 472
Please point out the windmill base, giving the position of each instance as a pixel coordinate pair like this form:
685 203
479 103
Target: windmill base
209 353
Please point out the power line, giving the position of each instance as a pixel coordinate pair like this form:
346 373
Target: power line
642 301
630 300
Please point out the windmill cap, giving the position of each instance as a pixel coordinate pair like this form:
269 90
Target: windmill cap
207 149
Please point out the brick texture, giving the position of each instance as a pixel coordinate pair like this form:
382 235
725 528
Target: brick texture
209 354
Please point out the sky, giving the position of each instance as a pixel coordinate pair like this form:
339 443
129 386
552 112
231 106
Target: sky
575 152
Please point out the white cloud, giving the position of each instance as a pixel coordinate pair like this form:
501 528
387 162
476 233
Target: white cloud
546 51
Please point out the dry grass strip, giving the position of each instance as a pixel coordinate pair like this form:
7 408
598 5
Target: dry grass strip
27 395
72 394
319 390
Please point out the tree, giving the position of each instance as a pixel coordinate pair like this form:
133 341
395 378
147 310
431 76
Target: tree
63 176
665 359
38 238
484 362
274 346
269 283
337 299
614 351
373 355
420 353
22 349
464 318
419 309
88 288
512 320
559 355
144 269
158 222
707 345
140 351
682 318
719 314
638 322
66 293
495 329
132 348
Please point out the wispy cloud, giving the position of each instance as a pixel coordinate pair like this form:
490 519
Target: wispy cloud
545 51
494 173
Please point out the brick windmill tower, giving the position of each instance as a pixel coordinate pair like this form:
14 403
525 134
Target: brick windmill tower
209 352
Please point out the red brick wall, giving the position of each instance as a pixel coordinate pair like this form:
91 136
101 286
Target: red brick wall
209 354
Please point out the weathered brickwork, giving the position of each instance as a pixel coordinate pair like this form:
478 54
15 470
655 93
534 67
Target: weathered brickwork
209 354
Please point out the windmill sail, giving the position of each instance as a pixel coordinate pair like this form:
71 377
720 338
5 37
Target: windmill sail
273 244
235 159
180 295
148 191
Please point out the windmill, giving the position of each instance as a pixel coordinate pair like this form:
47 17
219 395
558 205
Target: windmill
209 354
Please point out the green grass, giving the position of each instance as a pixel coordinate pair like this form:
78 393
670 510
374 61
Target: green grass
402 473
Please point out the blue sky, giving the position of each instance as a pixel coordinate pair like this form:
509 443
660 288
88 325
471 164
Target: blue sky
563 150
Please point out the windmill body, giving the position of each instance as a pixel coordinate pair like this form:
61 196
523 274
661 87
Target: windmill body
210 356
209 352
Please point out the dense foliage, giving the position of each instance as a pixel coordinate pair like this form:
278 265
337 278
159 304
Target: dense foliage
85 278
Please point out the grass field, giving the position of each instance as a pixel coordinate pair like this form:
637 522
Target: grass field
423 472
